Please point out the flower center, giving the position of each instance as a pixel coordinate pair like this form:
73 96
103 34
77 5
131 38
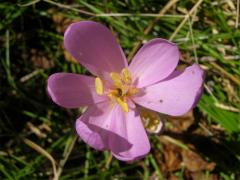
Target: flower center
122 89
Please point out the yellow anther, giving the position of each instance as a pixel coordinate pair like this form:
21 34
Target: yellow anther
122 89
132 91
123 104
115 76
114 93
116 79
99 86
126 76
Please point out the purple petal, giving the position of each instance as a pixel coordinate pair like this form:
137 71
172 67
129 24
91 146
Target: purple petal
72 90
105 127
174 96
95 47
94 127
130 127
154 61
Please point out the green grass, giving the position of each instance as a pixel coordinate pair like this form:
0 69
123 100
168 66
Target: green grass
29 32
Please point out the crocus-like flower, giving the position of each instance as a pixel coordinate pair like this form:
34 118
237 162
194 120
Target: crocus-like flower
117 90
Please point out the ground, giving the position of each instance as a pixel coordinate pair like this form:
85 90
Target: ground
38 138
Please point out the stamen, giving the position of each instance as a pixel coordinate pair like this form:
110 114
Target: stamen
122 89
99 86
114 93
116 79
123 104
126 76
132 91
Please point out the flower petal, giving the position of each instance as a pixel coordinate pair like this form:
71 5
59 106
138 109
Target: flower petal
95 47
105 127
94 127
130 127
174 96
153 62
72 90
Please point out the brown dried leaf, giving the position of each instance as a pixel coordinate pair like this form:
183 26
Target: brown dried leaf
181 123
172 156
230 90
173 177
39 60
60 20
194 162
202 176
185 57
35 130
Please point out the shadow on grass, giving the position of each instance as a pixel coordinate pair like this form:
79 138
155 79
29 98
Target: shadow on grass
224 153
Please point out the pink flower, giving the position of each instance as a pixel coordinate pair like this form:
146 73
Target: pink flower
112 121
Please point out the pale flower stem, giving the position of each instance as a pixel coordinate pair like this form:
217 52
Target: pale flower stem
42 152
237 17
29 3
156 167
193 41
234 79
109 160
210 92
226 107
138 15
185 19
68 149
69 7
175 142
